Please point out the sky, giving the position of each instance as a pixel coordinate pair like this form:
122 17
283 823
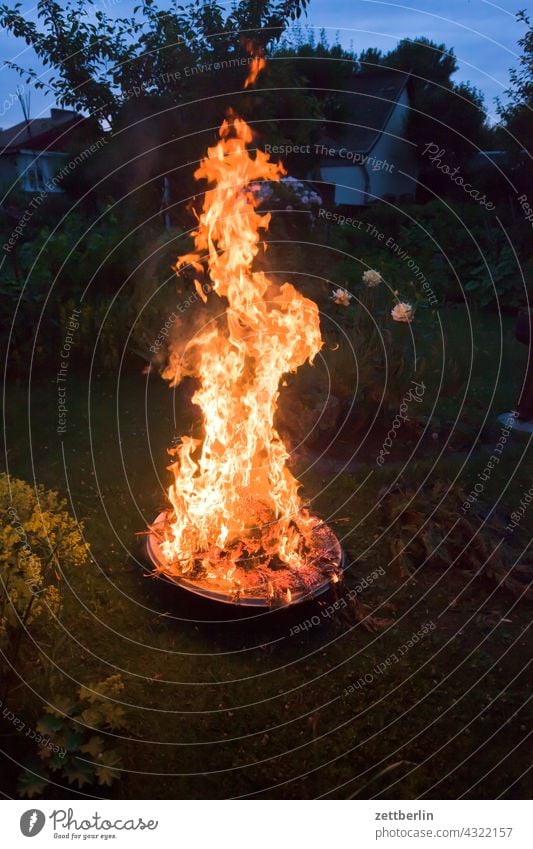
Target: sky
483 34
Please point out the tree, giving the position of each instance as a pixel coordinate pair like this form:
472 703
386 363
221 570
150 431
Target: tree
160 80
98 61
323 69
515 131
370 58
517 115
442 111
323 65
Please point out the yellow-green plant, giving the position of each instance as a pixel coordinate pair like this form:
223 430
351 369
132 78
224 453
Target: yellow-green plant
38 540
73 743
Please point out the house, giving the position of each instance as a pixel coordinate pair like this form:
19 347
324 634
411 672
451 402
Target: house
366 157
33 151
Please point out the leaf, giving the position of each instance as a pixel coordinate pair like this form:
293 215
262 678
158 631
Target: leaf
92 717
71 740
94 746
114 716
109 687
107 770
61 706
78 772
57 762
30 785
49 724
44 752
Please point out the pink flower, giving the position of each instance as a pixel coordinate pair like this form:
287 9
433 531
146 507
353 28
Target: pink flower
341 296
403 312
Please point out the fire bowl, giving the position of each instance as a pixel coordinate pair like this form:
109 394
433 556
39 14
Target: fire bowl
330 555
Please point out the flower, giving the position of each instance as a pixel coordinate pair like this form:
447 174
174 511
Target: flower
296 191
301 191
371 278
341 296
403 312
262 191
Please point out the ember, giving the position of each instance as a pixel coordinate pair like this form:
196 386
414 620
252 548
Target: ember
237 527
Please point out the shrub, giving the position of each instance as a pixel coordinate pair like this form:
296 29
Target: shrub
70 749
109 258
38 540
441 239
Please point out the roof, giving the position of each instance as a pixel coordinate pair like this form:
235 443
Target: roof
368 102
38 133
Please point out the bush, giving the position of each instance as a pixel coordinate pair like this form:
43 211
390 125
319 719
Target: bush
69 749
441 240
38 540
98 264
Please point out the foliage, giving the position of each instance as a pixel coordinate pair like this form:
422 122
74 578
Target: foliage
515 132
501 281
367 356
20 307
459 248
143 78
467 257
442 110
83 265
325 68
39 541
377 354
96 59
70 749
291 192
517 113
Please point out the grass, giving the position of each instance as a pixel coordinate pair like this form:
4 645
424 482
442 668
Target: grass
224 705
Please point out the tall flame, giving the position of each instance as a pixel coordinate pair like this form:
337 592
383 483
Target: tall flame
258 61
233 484
257 64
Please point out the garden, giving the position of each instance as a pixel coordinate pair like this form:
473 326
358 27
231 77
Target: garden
170 333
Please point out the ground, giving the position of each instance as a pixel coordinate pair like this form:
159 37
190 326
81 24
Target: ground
296 704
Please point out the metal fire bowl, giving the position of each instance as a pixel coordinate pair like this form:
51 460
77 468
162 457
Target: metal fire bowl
156 557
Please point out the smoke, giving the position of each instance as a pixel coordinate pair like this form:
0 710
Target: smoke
190 331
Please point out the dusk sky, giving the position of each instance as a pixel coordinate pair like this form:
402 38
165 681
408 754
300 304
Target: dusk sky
483 34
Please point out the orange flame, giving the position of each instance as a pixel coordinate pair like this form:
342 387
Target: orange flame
258 61
256 66
233 484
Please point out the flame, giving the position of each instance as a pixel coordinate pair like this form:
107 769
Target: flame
258 62
256 66
233 497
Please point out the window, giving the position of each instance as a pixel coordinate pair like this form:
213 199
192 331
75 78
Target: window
36 171
34 177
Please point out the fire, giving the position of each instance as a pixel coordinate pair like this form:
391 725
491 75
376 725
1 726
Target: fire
235 505
256 66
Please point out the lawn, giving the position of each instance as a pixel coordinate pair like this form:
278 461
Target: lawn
224 704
